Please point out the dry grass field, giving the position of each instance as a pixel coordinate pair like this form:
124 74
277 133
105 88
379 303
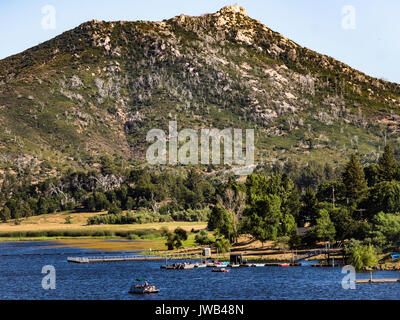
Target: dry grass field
56 222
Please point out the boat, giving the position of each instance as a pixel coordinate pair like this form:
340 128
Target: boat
285 265
143 288
185 266
220 270
258 265
234 265
200 265
395 256
168 267
219 265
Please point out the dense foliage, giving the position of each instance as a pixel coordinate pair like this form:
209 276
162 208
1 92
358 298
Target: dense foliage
360 203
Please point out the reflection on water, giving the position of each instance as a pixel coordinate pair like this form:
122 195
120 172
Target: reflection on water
21 265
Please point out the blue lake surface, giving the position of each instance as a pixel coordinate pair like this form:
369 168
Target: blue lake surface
21 264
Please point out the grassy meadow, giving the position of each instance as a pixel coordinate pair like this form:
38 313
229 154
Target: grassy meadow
55 227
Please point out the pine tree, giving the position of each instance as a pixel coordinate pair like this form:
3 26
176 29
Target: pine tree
308 211
354 181
388 165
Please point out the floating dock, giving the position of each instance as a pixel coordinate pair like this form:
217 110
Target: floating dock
113 259
377 280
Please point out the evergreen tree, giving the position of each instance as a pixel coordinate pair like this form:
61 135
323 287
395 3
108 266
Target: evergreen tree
371 173
384 196
309 210
354 181
388 165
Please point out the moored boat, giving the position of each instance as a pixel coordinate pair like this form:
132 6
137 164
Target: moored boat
143 288
185 266
220 270
200 265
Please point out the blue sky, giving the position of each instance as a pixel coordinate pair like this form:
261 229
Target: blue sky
372 47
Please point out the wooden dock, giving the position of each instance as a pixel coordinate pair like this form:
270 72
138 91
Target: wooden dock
113 258
377 280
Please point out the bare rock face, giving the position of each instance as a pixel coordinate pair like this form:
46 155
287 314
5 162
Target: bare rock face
234 9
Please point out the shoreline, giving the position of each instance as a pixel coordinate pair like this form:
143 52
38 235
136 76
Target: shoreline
157 247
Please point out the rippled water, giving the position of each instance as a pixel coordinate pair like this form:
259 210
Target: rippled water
21 265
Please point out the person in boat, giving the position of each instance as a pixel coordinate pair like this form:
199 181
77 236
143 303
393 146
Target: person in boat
146 284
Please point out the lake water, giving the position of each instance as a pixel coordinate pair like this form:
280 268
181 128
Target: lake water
21 278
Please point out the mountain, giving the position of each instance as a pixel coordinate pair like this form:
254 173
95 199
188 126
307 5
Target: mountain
99 88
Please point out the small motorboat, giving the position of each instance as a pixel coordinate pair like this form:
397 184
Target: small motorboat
187 266
234 265
285 265
220 270
219 265
200 265
258 265
143 288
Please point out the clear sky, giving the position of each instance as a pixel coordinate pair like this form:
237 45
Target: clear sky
365 35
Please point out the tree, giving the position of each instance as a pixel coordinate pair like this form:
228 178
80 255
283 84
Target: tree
263 218
388 165
308 210
129 203
223 245
361 256
234 203
221 220
324 229
384 196
181 234
331 191
90 203
202 238
290 197
107 165
5 214
114 209
355 185
386 229
288 226
344 223
173 241
101 201
371 173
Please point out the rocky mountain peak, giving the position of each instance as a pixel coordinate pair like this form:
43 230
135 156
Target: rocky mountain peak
234 9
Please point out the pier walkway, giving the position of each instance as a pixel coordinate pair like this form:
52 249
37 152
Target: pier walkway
113 258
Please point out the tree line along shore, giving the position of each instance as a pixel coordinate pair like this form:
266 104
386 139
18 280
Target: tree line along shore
358 204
